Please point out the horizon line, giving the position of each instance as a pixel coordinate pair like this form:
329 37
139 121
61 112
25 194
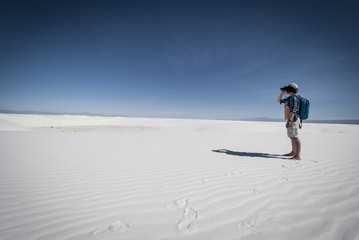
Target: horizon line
258 119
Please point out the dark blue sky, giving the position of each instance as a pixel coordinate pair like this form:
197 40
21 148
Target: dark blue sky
193 59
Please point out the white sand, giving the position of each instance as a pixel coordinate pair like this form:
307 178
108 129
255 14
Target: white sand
80 178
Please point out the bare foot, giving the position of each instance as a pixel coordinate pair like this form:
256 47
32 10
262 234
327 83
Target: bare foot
296 158
291 154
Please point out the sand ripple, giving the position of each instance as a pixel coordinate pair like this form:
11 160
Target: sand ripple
170 184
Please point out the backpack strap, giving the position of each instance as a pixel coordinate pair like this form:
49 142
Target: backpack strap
299 111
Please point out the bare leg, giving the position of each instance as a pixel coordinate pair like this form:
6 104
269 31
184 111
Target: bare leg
297 146
293 152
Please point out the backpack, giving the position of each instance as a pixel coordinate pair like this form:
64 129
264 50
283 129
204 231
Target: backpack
303 109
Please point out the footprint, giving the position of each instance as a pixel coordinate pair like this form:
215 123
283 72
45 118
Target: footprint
284 178
257 191
298 163
189 216
289 167
204 181
249 222
118 226
180 203
99 231
233 173
285 166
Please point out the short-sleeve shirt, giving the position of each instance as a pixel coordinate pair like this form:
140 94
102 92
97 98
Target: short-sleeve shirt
293 103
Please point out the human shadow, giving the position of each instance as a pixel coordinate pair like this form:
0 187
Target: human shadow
249 154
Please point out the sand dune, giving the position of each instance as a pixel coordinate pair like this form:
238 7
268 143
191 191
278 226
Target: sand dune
80 178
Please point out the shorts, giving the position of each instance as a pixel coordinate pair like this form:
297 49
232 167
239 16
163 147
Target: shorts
293 130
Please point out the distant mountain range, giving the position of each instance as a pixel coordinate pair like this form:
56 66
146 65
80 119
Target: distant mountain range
263 119
55 113
347 121
350 121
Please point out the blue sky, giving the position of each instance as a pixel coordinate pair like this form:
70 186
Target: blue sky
189 59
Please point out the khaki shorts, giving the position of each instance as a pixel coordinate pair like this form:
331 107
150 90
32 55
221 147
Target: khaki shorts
293 130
